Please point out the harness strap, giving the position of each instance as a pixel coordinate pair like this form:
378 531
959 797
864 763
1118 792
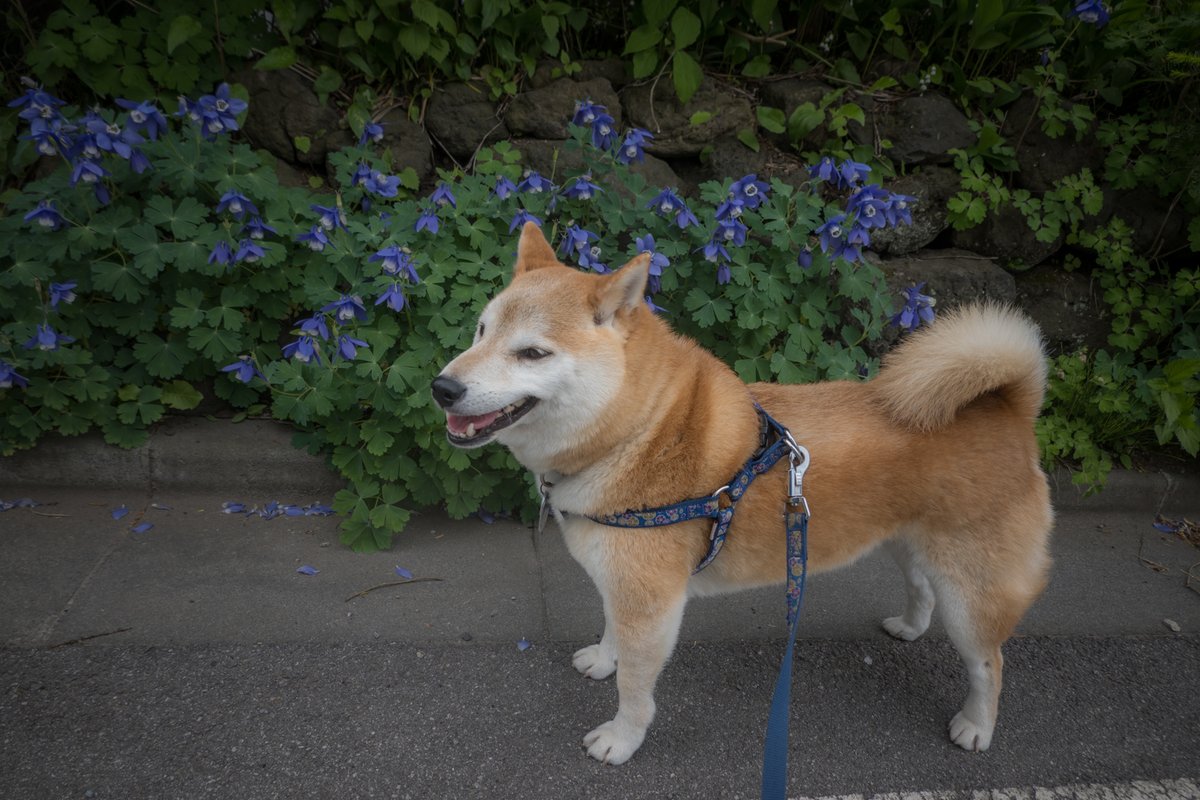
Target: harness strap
775 442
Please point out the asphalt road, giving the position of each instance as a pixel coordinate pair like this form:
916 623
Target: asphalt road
410 720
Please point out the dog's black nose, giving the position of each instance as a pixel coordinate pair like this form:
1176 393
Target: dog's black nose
446 391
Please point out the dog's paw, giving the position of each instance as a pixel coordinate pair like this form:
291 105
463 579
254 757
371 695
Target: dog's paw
896 626
969 735
613 742
595 663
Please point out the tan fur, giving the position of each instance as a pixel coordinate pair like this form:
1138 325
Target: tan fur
935 456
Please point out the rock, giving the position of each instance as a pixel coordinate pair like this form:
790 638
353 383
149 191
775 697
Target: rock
1157 227
1042 161
283 106
670 121
1005 235
1066 306
921 128
613 70
290 176
932 186
460 118
791 93
555 161
408 144
953 277
730 159
544 113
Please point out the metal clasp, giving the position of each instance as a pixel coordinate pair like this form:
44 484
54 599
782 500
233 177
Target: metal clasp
798 459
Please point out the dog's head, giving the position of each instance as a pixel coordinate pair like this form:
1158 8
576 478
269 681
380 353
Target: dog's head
548 354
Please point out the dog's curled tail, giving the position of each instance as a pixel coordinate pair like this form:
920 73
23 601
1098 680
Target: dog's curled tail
966 353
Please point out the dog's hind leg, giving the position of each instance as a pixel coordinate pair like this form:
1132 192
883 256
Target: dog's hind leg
918 607
644 630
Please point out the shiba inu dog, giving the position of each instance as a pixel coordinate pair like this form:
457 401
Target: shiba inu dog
934 459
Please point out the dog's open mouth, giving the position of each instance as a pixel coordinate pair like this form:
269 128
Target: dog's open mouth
464 431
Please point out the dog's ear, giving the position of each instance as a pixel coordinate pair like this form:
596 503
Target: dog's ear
623 290
533 251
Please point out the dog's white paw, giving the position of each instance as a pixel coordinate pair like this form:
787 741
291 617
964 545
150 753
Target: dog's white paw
594 662
968 735
613 742
897 627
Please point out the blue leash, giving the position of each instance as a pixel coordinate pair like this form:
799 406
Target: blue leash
775 748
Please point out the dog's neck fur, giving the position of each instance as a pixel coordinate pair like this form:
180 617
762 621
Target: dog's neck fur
658 441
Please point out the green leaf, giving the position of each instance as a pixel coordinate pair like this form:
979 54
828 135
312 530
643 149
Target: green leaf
329 80
643 38
747 137
804 120
302 143
183 28
181 396
699 118
685 28
771 119
277 58
121 281
414 39
657 11
687 75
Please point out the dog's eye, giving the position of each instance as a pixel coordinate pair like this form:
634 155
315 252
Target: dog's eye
531 354
479 331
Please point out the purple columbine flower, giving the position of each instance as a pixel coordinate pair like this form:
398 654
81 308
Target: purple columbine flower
303 350
314 325
248 251
586 112
918 308
47 338
46 215
138 162
869 205
751 191
221 253
653 308
382 185
520 218
36 103
245 369
589 258
534 183
576 239
504 187
658 262
805 257
215 113
730 208
1092 12
830 232
393 295
443 196
316 239
145 116
87 171
237 204
346 308
361 174
428 221
899 209
858 238
347 346
667 203
256 228
731 231
62 293
603 132
9 377
396 261
329 217
825 170
633 148
852 172
582 188
372 131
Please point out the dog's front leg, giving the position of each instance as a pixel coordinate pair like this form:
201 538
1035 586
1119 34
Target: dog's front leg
644 623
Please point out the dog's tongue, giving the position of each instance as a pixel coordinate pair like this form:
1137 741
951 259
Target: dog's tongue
458 424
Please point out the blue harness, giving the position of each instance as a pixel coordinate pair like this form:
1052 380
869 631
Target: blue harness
774 442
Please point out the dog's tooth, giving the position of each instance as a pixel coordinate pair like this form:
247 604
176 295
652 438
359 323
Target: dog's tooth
470 429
